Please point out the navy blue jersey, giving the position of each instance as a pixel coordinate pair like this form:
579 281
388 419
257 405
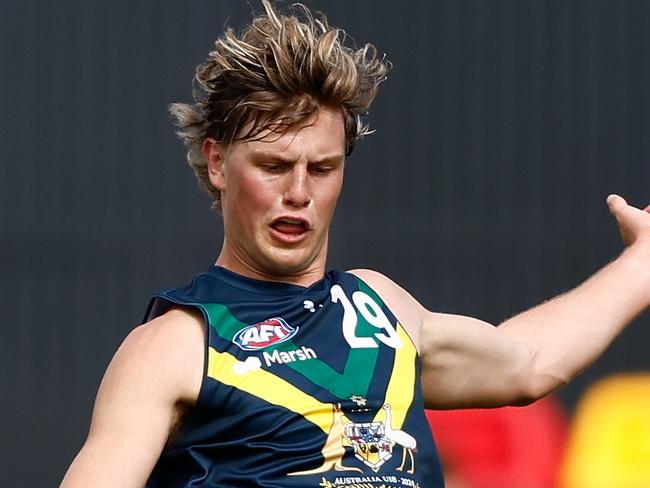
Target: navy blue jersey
303 387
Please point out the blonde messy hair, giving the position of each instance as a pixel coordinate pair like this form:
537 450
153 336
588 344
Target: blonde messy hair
272 76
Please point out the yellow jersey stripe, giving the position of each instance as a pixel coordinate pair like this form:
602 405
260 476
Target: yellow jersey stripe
401 386
224 367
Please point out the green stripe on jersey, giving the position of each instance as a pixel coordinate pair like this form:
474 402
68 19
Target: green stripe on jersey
359 367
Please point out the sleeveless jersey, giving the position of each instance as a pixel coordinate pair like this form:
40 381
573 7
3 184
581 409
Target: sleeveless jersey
303 387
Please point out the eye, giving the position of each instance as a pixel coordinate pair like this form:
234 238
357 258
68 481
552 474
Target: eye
320 169
273 167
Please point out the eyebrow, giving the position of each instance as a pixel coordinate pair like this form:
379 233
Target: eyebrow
275 157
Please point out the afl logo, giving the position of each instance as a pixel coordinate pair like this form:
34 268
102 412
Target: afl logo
264 334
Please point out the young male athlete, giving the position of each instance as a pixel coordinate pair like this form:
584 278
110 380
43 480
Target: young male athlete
269 371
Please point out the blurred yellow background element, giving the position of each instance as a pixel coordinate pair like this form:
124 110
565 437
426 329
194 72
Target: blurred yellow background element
609 442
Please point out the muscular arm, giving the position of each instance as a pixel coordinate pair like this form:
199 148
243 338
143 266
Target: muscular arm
568 333
465 361
469 363
155 372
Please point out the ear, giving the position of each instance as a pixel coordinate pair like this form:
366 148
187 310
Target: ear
215 155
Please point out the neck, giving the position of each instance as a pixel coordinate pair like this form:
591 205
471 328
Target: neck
302 277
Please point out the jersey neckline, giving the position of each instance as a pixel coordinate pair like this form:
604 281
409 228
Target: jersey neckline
265 287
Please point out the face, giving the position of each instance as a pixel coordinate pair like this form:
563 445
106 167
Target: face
278 197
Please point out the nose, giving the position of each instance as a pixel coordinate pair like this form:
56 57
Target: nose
297 191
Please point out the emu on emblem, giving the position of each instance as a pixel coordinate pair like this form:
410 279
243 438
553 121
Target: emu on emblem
369 442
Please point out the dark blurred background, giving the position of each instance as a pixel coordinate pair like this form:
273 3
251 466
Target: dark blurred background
501 130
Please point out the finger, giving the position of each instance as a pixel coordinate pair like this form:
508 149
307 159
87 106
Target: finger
616 203
647 209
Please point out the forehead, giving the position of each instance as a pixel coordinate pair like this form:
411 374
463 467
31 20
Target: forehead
320 136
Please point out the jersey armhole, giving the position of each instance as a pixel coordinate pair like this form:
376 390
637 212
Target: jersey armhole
159 305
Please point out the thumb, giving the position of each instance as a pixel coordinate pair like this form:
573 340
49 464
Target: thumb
616 204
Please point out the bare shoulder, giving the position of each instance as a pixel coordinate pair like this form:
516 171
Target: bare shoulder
158 366
170 348
153 377
429 330
404 306
174 330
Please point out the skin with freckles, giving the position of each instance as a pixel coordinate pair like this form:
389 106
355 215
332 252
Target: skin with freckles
278 196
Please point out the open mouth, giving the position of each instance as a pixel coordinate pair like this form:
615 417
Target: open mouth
290 229
290 226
